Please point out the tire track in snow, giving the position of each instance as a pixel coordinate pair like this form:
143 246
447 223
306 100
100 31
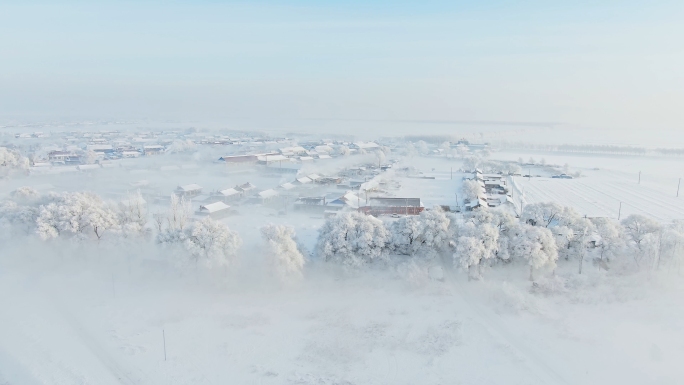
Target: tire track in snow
123 376
489 320
594 198
661 209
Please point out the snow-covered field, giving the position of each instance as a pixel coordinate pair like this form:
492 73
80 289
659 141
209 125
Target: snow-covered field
603 195
106 323
608 186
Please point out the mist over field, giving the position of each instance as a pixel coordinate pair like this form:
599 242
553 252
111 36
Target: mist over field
343 193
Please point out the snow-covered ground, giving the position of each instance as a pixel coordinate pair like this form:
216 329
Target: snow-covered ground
608 185
602 194
97 320
83 313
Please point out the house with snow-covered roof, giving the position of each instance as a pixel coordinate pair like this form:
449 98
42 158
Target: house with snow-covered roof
214 210
189 190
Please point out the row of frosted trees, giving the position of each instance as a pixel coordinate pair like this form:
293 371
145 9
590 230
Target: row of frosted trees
544 234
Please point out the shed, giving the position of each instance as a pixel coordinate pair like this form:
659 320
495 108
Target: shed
215 209
189 190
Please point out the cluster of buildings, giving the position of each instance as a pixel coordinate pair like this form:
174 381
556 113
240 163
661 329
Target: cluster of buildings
309 193
494 191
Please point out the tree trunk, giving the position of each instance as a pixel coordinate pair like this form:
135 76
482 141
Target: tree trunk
531 273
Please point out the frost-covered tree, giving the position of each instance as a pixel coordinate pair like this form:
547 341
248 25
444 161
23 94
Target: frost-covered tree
542 214
213 243
380 157
640 232
76 214
512 169
353 239
15 216
469 254
410 149
445 147
12 160
403 233
25 194
180 145
89 157
179 213
500 220
101 219
283 253
470 163
472 189
133 215
342 150
535 245
171 225
609 241
672 244
462 151
425 235
422 147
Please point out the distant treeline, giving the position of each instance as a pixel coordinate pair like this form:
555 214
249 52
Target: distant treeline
435 139
670 151
593 149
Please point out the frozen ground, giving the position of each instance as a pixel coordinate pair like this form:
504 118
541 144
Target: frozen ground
94 315
76 322
607 181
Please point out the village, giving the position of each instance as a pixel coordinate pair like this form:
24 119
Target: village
314 176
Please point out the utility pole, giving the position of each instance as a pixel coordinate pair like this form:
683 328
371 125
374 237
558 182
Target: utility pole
679 184
619 211
164 338
452 173
584 234
639 177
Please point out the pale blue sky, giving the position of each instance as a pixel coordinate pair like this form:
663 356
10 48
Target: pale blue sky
604 64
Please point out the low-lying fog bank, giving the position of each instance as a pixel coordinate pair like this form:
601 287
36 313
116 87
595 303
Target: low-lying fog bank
86 313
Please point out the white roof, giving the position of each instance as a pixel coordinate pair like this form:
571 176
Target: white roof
314 177
190 187
268 193
294 149
352 200
229 192
287 186
305 158
96 147
366 145
323 156
247 186
214 207
272 158
303 180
